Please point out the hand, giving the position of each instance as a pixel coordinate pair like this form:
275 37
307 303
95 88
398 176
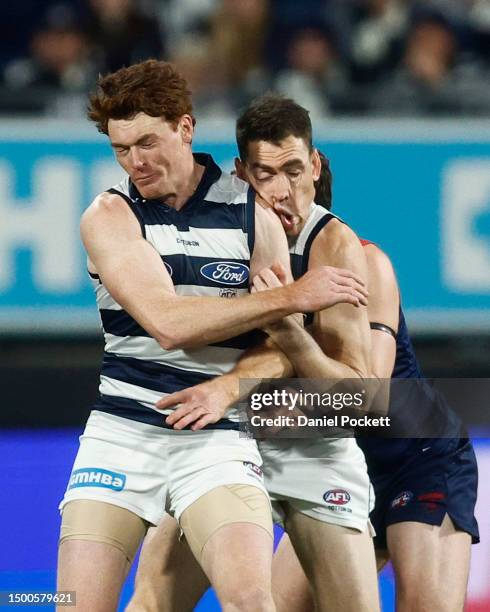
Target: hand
271 278
200 405
326 286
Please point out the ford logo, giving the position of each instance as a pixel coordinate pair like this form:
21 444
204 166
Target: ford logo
225 272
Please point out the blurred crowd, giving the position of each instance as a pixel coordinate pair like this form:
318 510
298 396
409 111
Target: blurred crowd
336 57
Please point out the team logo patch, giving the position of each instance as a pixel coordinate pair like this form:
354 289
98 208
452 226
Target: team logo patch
254 468
95 477
169 268
225 272
228 293
337 497
402 499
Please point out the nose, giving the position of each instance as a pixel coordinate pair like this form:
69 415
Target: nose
137 160
280 191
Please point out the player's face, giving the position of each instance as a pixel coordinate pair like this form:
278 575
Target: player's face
153 152
283 174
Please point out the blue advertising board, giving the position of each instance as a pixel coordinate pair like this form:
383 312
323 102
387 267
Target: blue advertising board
421 191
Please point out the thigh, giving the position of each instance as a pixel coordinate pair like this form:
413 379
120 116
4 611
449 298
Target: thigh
237 560
431 565
229 530
168 579
95 571
97 545
338 561
290 587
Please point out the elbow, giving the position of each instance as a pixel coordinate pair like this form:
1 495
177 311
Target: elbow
170 340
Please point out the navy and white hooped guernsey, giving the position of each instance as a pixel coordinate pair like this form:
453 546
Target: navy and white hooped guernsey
432 413
206 247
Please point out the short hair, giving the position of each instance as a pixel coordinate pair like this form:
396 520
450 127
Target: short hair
151 87
272 118
323 186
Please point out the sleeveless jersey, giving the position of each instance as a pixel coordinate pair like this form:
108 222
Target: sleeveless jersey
206 248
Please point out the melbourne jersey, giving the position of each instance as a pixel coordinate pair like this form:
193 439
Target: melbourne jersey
206 248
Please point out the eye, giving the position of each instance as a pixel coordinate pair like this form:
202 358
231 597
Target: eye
261 177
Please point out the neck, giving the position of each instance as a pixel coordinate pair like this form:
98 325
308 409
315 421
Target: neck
186 187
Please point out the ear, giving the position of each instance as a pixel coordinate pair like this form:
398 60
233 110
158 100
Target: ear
316 164
186 127
240 169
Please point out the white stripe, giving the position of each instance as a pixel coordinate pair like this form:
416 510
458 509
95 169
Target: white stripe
315 214
228 189
211 242
118 388
214 360
146 397
123 186
104 298
197 290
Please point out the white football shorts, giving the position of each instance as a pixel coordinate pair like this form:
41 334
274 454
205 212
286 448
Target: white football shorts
149 470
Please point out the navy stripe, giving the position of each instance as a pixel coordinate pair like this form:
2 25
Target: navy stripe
210 215
132 206
313 234
243 341
296 265
302 265
151 375
134 411
120 323
250 220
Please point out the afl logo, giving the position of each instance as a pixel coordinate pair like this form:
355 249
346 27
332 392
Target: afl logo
225 272
338 497
169 268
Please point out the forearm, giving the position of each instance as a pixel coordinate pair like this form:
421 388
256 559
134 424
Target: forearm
264 361
184 322
307 357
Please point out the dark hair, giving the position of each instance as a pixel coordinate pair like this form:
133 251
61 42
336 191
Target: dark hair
152 87
272 118
323 186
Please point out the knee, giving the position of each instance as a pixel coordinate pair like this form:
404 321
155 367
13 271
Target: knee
251 599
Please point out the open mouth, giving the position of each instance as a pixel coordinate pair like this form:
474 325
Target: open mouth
288 221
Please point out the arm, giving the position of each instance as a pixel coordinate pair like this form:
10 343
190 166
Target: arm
208 402
133 273
383 308
339 346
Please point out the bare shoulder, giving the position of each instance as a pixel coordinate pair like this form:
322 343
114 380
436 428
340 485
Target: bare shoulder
110 211
337 245
379 264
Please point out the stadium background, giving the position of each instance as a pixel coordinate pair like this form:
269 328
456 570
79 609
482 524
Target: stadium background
400 102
